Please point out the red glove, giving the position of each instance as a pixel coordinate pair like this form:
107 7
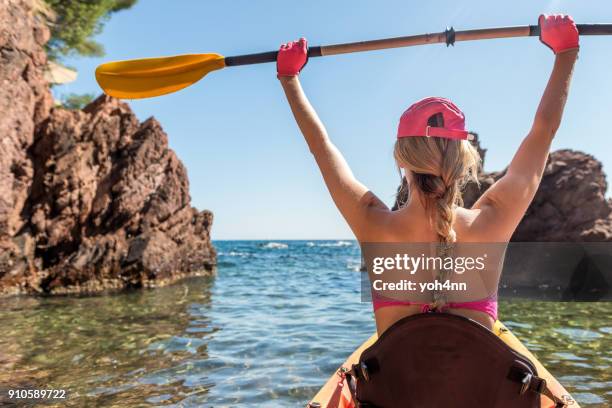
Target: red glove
558 32
292 57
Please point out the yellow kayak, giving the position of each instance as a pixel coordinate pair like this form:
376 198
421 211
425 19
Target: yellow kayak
334 395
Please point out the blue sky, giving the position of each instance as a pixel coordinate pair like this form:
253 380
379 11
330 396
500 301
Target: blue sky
246 159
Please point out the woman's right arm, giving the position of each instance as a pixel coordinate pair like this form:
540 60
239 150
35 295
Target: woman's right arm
505 202
362 210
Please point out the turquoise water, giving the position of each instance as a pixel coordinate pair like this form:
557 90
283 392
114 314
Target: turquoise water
267 331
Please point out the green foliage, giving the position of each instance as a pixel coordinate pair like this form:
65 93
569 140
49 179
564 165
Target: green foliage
77 21
76 101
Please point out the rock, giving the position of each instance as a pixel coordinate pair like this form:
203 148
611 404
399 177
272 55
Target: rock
564 235
89 200
570 204
25 101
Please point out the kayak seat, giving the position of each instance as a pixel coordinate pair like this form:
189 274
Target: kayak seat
435 360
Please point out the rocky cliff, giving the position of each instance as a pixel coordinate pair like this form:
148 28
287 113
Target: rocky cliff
89 200
570 205
565 234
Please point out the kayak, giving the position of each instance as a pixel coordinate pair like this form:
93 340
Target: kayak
334 395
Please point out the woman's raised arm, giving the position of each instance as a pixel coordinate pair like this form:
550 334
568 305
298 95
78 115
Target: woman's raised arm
505 203
358 205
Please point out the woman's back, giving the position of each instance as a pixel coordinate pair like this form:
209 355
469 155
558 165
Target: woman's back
411 226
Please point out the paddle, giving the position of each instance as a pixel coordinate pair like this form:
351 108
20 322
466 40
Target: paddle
149 77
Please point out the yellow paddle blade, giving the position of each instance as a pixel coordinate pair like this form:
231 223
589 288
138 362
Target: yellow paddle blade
148 77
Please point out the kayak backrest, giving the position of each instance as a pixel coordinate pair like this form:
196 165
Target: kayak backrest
444 360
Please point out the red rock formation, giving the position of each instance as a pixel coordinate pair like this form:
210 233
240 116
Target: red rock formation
89 200
570 204
25 101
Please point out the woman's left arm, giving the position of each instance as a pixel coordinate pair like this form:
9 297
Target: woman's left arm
359 206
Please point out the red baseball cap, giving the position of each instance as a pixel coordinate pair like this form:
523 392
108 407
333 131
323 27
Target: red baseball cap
414 121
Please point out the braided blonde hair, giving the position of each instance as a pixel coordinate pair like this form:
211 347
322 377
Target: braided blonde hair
439 168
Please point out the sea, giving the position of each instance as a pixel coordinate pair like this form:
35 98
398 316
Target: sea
267 331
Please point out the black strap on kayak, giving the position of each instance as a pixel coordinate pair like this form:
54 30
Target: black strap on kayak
536 384
364 369
358 372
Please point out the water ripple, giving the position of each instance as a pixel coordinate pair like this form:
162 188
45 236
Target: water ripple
268 331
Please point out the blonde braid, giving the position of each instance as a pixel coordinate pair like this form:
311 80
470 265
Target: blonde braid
439 168
444 218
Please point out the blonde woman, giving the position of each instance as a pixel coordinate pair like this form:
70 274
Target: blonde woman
436 158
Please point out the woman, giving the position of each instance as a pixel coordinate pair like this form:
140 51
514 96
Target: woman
434 153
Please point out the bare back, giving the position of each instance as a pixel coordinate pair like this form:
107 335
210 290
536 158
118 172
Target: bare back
411 225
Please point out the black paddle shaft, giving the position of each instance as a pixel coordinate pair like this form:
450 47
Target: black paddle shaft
447 37
583 29
262 57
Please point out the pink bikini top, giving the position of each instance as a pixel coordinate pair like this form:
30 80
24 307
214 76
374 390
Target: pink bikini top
488 305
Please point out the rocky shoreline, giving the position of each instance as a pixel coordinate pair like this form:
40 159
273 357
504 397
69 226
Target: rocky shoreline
90 200
565 234
94 200
571 197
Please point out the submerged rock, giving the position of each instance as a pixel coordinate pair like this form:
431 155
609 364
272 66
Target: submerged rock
89 200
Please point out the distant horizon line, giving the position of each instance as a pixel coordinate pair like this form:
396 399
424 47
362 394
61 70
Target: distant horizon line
284 239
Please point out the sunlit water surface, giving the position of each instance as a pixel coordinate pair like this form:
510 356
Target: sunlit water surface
267 331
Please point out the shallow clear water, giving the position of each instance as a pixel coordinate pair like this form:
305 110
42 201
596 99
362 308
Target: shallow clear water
267 331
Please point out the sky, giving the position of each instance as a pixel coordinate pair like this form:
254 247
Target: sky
247 161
